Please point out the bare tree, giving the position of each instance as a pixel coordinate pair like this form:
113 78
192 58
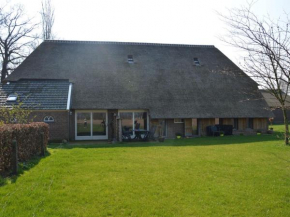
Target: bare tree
266 43
16 37
47 18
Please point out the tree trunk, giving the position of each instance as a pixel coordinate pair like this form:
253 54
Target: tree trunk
286 125
4 71
3 75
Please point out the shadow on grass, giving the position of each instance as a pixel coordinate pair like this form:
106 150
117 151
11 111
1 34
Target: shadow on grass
200 141
22 167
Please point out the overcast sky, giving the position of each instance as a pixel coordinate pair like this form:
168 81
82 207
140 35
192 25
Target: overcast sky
157 21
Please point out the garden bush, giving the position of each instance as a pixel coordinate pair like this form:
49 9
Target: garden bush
29 142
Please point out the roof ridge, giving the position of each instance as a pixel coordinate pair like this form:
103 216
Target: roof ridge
128 43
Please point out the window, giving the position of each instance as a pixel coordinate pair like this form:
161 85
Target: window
99 124
130 59
178 120
11 98
48 119
236 123
83 124
13 120
251 123
196 61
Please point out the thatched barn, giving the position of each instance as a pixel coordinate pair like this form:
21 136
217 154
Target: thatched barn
93 90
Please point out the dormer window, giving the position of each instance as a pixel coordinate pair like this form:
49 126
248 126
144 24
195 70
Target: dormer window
12 98
130 59
196 61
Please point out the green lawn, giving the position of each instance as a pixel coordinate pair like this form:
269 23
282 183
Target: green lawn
224 176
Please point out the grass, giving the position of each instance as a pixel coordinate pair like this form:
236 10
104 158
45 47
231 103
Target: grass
224 176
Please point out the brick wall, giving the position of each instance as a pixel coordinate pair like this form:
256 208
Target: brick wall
58 130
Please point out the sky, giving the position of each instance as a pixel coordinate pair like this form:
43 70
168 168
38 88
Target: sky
156 21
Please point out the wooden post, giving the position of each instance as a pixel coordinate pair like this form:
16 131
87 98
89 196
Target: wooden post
42 152
120 130
194 126
14 157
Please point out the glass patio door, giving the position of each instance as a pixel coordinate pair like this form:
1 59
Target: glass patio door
91 125
99 124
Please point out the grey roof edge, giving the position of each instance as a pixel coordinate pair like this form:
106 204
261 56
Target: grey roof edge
6 80
127 43
209 117
269 91
43 79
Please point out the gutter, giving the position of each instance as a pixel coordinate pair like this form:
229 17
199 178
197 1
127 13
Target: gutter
69 97
68 109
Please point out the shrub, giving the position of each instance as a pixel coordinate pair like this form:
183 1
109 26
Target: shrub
29 142
2 181
15 114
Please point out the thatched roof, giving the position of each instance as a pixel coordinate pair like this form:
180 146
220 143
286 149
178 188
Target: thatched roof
163 78
272 101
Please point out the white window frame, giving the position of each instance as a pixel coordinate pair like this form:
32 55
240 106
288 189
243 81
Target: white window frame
48 117
178 122
133 119
91 137
196 62
130 60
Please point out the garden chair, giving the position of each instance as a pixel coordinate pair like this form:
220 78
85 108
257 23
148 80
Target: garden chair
215 131
126 134
150 134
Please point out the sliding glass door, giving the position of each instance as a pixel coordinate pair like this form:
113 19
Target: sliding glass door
91 125
83 124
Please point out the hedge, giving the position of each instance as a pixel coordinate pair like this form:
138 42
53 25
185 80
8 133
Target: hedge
29 141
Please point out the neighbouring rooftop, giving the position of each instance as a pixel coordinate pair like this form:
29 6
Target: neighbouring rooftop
272 100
